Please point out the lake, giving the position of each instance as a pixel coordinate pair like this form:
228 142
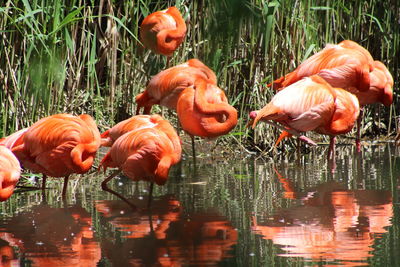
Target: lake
247 211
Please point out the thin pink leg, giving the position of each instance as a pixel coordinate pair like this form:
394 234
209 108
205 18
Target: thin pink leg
358 134
64 191
293 132
332 153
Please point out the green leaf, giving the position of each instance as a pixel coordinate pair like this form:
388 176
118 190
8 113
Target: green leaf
376 20
308 52
321 8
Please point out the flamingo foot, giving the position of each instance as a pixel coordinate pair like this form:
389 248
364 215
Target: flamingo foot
358 133
358 145
293 132
307 140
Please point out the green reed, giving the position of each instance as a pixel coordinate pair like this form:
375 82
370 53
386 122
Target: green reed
84 56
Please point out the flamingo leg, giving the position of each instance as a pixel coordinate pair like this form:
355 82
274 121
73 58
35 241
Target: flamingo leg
64 191
193 149
151 223
332 143
358 134
178 128
332 153
105 188
287 185
44 182
298 146
150 194
138 110
146 110
104 183
168 61
293 132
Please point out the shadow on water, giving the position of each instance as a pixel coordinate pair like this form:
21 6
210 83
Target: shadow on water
290 211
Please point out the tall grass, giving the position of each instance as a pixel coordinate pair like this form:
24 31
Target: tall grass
84 56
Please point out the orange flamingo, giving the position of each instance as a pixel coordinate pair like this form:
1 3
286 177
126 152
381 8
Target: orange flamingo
10 171
311 104
381 87
59 145
14 139
140 122
165 87
163 31
144 154
344 65
190 88
380 91
351 67
203 110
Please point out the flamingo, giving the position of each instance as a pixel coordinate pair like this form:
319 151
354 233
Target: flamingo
311 104
144 154
140 122
349 66
190 89
163 31
344 65
381 87
203 110
59 145
165 87
380 91
10 172
14 139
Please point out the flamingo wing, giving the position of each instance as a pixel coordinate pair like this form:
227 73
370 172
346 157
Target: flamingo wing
339 65
303 106
166 87
204 110
10 172
163 31
345 113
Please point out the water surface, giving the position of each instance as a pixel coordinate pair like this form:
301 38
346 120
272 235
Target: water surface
287 211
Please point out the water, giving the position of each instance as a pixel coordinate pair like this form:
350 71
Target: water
290 211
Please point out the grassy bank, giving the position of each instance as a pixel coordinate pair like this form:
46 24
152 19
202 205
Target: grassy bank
84 56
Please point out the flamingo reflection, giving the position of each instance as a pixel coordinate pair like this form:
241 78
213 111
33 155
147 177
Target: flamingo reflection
138 225
49 236
175 238
332 224
7 255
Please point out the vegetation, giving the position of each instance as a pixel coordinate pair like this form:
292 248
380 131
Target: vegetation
84 56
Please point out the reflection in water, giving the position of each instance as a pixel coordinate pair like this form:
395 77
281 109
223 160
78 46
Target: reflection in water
166 236
7 255
140 224
330 219
53 236
331 224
